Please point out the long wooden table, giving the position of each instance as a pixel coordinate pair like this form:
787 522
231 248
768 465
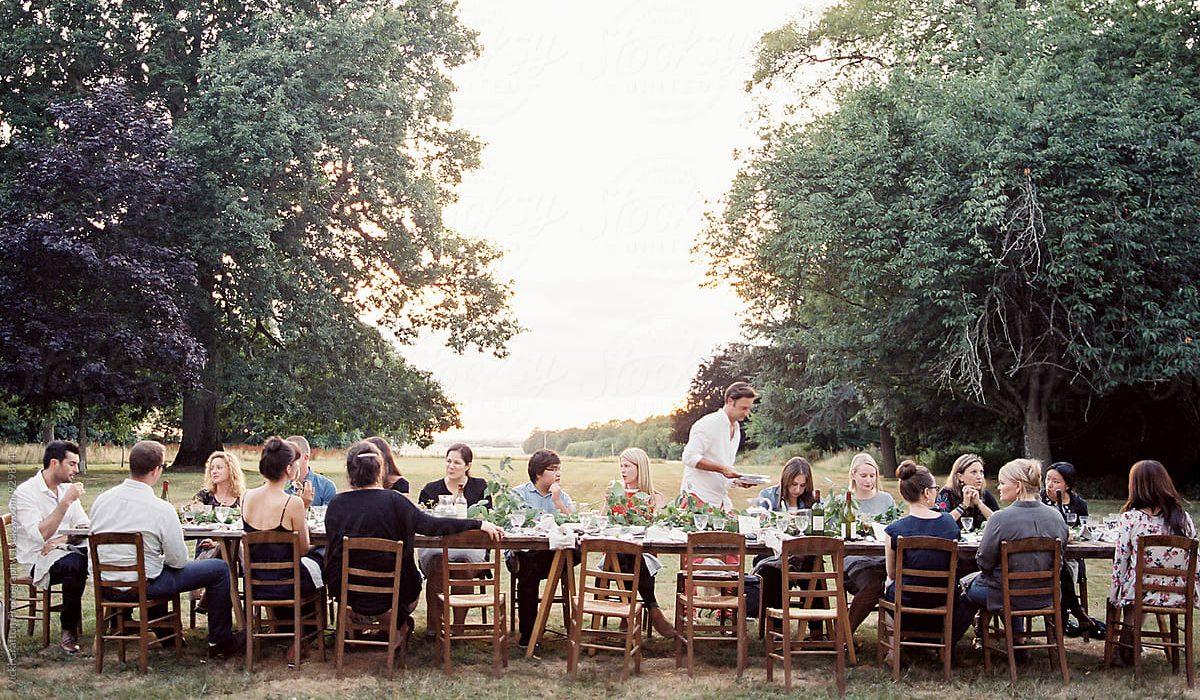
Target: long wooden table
563 564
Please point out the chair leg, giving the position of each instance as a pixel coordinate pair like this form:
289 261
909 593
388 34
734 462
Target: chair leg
177 622
679 634
1111 618
985 623
339 639
740 622
1012 653
321 622
32 609
1173 625
98 644
786 651
1137 642
691 638
840 658
251 630
1061 643
46 618
1187 648
143 639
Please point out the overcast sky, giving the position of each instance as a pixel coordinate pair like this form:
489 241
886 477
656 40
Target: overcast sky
610 129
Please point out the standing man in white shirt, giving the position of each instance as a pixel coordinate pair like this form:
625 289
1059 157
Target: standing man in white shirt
41 507
132 506
712 448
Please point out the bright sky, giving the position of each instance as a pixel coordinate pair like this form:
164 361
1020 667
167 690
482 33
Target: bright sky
610 130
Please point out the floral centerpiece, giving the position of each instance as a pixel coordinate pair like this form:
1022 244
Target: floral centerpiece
628 507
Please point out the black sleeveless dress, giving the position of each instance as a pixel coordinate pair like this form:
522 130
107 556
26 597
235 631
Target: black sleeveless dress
277 552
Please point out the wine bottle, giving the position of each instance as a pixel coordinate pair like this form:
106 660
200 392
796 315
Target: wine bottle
818 515
849 525
460 504
166 485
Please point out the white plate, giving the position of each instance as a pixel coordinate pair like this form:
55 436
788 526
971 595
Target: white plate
754 478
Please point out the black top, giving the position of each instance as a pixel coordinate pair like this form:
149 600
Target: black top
272 552
401 486
1078 506
943 527
948 500
475 491
208 498
385 514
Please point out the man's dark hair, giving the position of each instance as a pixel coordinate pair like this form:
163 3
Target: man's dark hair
539 461
740 390
58 449
146 456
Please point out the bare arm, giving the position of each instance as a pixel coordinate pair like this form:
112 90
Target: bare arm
889 557
296 512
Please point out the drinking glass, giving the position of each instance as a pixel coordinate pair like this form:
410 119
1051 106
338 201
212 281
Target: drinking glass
1072 518
1084 520
601 522
718 523
968 522
700 520
1110 521
516 519
802 519
224 514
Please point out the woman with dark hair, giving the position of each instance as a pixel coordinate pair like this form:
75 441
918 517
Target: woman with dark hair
458 480
269 507
392 478
1060 493
370 510
794 490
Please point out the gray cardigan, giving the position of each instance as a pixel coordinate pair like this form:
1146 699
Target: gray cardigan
1019 521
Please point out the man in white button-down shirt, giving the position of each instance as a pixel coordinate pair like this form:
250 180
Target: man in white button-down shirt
132 506
41 507
712 448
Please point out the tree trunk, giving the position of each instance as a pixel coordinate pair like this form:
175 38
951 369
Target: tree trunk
201 434
887 448
48 431
1037 418
81 423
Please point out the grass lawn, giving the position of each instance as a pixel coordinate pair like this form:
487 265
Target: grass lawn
49 673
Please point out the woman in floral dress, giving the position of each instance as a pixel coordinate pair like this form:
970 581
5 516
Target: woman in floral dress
1154 508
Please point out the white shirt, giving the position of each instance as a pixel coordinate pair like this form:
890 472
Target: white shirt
132 506
30 504
710 439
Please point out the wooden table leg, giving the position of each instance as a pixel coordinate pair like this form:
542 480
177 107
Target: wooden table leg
556 571
229 554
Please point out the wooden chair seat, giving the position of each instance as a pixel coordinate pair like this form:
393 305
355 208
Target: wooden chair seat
1033 583
804 614
607 592
116 601
712 560
484 575
1148 580
351 623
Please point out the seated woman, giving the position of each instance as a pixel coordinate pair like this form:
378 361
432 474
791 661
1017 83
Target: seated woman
1060 494
636 477
866 575
919 491
392 478
965 494
1153 507
1021 483
224 485
268 508
370 510
458 479
794 490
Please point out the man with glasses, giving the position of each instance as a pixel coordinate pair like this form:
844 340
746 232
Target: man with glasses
544 494
132 507
41 507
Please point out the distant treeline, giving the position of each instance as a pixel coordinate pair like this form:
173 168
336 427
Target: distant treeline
606 439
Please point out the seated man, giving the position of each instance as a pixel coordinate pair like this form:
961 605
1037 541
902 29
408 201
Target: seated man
543 494
132 507
41 507
323 488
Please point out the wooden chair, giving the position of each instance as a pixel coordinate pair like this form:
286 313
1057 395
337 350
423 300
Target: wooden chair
942 584
253 577
389 584
496 630
1016 588
1150 579
799 606
116 600
26 602
604 600
729 602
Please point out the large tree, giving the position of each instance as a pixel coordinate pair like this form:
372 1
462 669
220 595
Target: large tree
93 272
1004 204
324 155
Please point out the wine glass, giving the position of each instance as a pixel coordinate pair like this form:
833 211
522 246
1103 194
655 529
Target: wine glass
700 520
224 514
802 519
718 523
1072 518
516 519
968 522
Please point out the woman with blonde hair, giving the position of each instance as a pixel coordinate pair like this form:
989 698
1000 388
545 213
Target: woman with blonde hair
636 478
864 486
224 482
965 494
866 576
1021 484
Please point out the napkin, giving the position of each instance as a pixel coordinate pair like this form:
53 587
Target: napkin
560 539
748 524
773 539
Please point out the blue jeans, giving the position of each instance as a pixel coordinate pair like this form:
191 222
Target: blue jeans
977 597
213 576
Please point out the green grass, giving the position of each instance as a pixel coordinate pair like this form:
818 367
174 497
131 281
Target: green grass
48 673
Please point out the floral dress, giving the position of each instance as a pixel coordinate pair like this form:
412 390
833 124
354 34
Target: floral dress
1132 525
